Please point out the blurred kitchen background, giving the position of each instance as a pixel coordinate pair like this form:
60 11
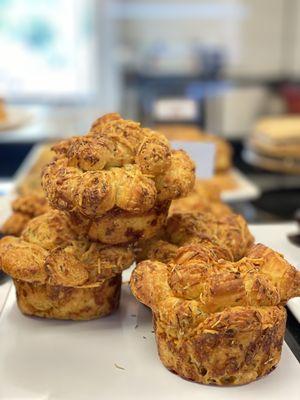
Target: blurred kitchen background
218 65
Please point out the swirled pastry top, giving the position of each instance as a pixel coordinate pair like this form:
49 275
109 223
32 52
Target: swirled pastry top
200 281
117 164
48 252
229 233
205 197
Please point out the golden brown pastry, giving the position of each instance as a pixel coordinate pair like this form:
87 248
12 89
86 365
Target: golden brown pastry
15 224
208 190
218 321
58 276
24 209
100 122
93 193
3 113
229 233
205 197
117 164
178 180
195 204
118 226
187 132
277 136
32 181
223 181
157 248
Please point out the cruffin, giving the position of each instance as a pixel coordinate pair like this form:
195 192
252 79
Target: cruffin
218 321
117 164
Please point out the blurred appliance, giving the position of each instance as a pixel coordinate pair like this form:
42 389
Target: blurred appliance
185 58
233 112
175 109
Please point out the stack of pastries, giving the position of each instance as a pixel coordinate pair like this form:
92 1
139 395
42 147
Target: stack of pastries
275 143
204 197
104 191
117 182
277 137
58 275
217 298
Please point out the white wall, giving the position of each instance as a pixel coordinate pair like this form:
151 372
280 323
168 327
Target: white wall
261 38
250 31
292 40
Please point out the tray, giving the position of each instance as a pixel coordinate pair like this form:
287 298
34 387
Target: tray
111 358
115 357
245 190
275 164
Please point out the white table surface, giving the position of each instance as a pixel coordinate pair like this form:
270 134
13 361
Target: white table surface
110 358
61 360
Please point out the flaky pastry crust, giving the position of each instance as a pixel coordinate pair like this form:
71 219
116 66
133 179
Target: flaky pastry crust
117 164
225 180
32 180
218 321
59 276
118 226
3 113
60 302
205 197
229 232
178 180
24 208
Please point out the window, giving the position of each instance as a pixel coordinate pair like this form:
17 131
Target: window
45 49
